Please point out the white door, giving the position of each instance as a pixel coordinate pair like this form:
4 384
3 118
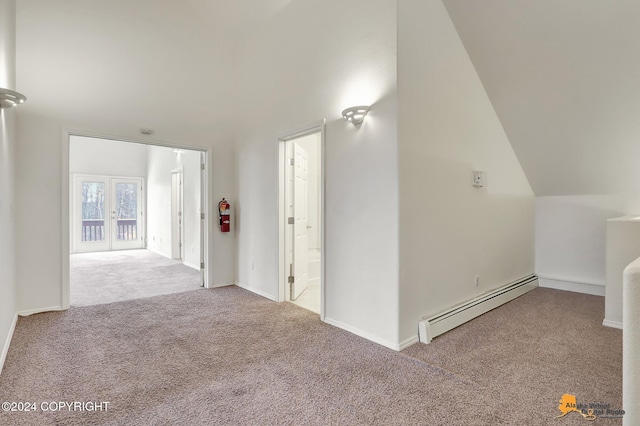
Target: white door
203 203
91 225
126 214
107 213
176 215
300 213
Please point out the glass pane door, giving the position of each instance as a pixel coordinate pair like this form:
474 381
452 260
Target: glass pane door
125 211
91 224
107 214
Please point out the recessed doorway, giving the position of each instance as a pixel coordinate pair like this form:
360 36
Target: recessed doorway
302 219
137 224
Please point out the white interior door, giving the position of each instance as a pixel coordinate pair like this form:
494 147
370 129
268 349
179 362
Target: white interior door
176 215
126 214
203 220
300 210
91 225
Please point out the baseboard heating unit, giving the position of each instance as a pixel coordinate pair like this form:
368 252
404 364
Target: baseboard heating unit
430 327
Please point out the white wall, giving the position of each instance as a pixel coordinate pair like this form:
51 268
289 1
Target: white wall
311 144
161 163
111 68
108 158
293 71
562 76
573 130
94 156
450 231
571 238
8 285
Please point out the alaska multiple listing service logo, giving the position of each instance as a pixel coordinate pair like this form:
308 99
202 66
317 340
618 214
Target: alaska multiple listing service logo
590 411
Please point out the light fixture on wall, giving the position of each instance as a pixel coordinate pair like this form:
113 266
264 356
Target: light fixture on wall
9 98
355 114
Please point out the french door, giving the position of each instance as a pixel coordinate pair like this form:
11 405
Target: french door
107 213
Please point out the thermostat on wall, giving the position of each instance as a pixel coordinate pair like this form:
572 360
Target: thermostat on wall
479 179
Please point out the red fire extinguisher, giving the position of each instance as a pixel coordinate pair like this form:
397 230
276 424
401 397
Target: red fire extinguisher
224 211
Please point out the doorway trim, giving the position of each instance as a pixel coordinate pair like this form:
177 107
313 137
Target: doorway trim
283 274
179 214
65 195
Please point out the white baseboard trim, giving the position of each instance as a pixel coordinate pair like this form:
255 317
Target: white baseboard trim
409 342
39 311
158 253
7 342
219 285
363 334
191 265
256 291
595 289
613 324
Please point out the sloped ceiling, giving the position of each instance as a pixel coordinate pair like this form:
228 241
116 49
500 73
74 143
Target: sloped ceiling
564 79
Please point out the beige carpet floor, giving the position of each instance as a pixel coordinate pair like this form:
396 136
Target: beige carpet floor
227 356
114 276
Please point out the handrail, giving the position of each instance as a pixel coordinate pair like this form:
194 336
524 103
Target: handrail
631 344
93 229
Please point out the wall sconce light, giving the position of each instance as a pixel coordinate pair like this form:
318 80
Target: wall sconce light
9 98
355 114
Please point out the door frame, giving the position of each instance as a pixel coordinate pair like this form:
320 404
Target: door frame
67 189
180 172
283 273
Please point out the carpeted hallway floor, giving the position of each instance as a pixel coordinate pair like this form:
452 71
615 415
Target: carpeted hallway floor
227 356
106 277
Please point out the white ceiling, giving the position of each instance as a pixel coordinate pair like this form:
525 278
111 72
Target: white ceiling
234 17
563 75
564 78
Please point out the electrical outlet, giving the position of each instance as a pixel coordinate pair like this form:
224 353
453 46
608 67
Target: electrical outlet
477 280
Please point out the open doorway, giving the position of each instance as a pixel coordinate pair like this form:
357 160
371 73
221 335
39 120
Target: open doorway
301 201
136 220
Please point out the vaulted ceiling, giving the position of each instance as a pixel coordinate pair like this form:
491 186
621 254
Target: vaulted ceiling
562 75
564 79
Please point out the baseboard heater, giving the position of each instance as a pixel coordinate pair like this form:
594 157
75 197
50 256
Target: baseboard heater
430 327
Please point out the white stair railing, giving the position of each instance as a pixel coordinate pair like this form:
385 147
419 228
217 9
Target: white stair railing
631 344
